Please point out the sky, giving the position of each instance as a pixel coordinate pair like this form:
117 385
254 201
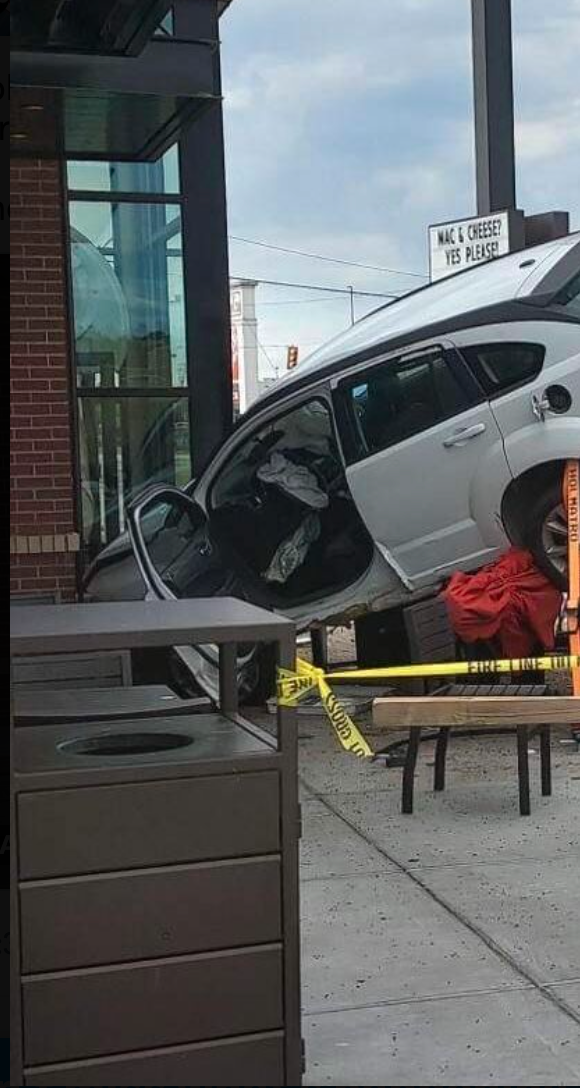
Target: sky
349 129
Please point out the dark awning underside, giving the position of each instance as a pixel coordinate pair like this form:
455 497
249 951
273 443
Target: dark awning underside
121 27
117 104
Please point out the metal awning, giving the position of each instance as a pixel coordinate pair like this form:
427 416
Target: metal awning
121 27
98 125
87 105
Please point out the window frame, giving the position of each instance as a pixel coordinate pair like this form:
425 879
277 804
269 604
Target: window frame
352 439
126 393
475 366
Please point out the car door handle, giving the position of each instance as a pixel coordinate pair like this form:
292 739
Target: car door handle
465 434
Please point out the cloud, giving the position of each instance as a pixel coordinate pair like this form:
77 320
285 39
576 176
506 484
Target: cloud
349 128
549 139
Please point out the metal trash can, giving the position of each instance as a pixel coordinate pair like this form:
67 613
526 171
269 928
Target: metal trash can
158 902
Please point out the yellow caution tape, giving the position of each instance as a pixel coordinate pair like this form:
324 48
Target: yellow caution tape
549 663
294 686
349 736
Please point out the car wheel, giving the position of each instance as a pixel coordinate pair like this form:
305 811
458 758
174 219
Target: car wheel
546 534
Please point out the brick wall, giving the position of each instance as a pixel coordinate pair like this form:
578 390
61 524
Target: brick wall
44 535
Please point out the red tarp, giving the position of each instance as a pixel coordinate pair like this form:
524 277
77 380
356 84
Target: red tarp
510 601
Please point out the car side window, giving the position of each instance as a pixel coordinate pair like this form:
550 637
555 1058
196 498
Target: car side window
282 507
400 398
500 367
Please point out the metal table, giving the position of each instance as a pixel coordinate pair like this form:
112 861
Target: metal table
221 621
65 628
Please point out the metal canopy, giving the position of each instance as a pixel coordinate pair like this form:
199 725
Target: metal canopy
101 26
82 106
95 81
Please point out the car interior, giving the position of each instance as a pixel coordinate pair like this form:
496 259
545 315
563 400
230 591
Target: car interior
282 504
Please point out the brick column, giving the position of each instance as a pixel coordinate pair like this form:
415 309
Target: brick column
44 537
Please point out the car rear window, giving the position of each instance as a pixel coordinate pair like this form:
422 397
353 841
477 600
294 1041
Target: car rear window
570 297
500 367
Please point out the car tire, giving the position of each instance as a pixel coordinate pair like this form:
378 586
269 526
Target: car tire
546 534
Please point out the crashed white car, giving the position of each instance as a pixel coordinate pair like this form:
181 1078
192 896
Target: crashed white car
421 441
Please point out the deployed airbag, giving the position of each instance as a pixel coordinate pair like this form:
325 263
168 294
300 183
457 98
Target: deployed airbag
295 480
292 552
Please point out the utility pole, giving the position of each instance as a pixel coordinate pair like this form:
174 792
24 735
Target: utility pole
494 105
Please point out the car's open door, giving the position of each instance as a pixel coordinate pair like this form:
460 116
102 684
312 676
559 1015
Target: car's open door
177 558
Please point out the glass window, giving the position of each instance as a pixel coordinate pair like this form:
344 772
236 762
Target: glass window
166 28
125 444
130 335
127 177
128 292
400 398
502 366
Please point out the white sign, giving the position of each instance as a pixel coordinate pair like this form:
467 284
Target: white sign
245 343
453 247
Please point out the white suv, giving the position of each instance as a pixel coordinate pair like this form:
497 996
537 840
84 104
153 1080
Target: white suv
420 442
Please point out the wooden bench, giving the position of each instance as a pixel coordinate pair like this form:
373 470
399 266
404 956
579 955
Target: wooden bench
521 713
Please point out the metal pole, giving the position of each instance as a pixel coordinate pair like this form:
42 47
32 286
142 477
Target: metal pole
494 105
352 313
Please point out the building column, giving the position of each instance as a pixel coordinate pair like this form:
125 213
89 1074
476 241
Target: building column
205 259
44 538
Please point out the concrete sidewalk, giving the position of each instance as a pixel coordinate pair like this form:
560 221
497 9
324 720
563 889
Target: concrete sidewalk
441 948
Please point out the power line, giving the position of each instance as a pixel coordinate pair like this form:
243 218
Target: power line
266 354
318 287
331 260
275 368
296 301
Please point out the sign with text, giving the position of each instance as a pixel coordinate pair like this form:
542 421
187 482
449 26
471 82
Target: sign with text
453 247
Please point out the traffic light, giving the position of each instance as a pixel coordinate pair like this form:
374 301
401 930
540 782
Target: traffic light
292 357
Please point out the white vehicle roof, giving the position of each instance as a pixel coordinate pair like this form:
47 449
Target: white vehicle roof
515 276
